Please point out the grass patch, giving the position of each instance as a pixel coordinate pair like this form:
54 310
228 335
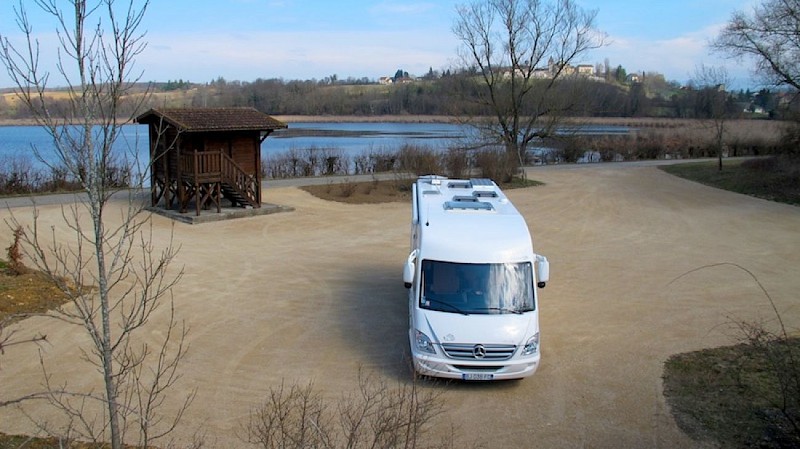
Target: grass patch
28 293
374 192
732 395
27 442
773 178
22 441
364 192
519 183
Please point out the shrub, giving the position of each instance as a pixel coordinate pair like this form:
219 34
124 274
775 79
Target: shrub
347 188
15 265
496 164
294 163
17 176
361 164
376 415
790 141
419 160
456 162
383 161
118 176
59 181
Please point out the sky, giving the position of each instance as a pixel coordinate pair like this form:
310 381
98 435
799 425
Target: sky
202 40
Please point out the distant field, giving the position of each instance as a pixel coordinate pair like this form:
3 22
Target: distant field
775 179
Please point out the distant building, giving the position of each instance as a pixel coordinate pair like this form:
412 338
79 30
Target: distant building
542 73
560 67
386 80
553 68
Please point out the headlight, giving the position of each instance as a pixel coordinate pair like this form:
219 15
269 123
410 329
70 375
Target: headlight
532 345
424 343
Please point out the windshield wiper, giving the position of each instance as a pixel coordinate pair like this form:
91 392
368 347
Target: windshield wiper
454 308
500 309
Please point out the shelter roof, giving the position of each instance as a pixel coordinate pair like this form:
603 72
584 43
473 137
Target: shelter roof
213 119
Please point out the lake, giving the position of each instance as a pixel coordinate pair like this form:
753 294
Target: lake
352 138
355 138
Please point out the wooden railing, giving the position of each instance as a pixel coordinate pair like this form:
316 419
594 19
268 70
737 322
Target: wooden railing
202 166
246 185
215 166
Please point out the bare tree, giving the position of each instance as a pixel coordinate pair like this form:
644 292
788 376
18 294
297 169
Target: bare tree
377 415
113 275
770 34
508 41
714 102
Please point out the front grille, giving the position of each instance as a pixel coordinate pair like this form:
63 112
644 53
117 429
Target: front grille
479 369
468 351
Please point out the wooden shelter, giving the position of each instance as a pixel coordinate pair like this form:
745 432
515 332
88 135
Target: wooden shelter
201 156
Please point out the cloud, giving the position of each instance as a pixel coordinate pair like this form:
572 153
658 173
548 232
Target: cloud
293 55
676 57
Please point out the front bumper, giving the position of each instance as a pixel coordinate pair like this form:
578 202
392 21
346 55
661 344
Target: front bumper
514 368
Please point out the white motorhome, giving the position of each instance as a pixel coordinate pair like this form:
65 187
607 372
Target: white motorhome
473 302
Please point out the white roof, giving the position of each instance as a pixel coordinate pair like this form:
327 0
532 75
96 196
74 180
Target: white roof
470 221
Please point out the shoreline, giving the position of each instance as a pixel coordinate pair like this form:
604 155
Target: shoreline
635 122
365 118
312 119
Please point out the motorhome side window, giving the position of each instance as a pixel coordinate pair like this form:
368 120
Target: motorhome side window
484 288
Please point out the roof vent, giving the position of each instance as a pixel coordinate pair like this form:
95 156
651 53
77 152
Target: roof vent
434 180
485 194
468 205
459 185
482 183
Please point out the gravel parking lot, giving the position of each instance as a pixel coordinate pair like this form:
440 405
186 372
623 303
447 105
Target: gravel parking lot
316 293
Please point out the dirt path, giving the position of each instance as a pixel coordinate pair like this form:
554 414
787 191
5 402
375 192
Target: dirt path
316 293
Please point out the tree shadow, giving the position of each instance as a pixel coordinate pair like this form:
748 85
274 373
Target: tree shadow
374 316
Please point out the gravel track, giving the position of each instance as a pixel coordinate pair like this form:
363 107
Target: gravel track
315 294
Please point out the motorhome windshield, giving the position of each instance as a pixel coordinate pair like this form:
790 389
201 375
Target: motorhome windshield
477 288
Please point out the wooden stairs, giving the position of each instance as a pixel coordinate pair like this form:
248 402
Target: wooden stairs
210 176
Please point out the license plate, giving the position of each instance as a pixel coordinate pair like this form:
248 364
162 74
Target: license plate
477 376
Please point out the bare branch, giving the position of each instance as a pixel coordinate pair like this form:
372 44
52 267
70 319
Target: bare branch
113 274
770 35
377 415
512 42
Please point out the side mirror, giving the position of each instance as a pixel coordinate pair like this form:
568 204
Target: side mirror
408 269
542 271
408 274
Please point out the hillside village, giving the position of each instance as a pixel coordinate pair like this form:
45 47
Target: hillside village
614 93
552 69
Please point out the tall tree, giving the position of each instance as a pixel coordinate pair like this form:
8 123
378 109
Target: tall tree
713 103
770 34
620 75
507 40
115 277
